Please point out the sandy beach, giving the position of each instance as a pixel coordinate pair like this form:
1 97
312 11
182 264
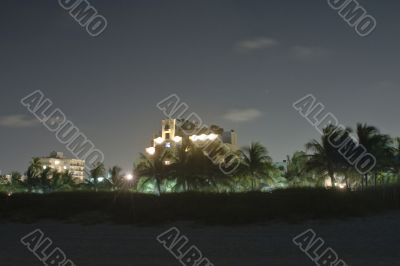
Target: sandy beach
358 241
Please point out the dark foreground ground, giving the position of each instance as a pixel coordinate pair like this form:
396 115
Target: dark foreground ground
367 241
289 205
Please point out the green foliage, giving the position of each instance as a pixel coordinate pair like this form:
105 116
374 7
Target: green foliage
298 174
256 164
190 169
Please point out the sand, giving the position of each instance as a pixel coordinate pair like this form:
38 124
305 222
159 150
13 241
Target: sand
368 241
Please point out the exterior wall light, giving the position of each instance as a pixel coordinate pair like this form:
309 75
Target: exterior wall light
159 140
177 139
151 150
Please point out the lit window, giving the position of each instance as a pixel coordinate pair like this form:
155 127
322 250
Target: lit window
167 162
57 162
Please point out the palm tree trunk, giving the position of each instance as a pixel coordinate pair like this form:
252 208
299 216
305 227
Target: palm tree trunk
332 180
346 179
366 180
158 185
252 181
362 182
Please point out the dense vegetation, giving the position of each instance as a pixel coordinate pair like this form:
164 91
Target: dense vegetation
190 170
191 187
289 205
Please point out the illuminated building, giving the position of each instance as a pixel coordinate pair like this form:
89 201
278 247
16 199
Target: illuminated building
60 164
174 132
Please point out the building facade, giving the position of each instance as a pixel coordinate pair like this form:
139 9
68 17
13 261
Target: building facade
173 132
59 163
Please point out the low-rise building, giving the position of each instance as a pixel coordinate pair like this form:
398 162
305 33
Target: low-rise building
59 163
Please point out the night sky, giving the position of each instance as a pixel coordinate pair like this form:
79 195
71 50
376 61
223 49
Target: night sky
238 64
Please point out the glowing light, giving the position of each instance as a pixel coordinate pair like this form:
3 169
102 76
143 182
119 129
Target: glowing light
129 177
57 162
177 139
167 145
151 150
44 167
212 136
342 186
65 168
203 137
167 162
100 179
159 140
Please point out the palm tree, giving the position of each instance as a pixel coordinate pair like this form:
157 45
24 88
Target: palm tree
62 181
325 159
181 169
33 173
153 167
45 179
35 168
204 172
296 173
256 162
16 180
377 145
396 158
97 172
344 165
116 177
4 181
384 154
